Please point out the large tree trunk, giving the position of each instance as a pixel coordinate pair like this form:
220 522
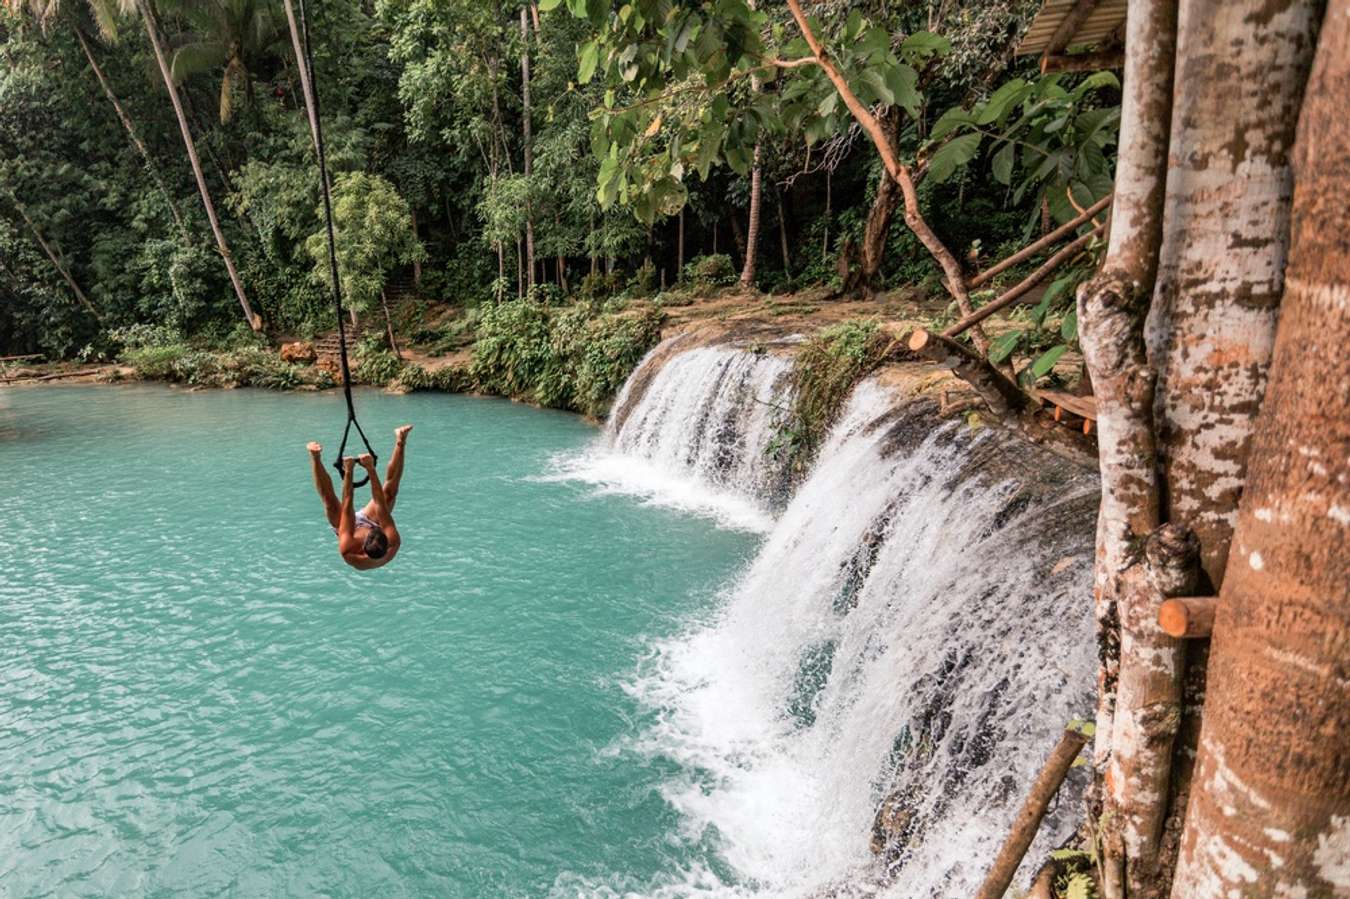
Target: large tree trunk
865 268
1220 273
1111 312
1270 815
253 319
752 226
1176 392
528 142
127 124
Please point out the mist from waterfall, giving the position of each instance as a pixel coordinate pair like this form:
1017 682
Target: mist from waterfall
912 636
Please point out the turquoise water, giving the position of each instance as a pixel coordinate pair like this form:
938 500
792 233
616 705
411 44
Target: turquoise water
197 697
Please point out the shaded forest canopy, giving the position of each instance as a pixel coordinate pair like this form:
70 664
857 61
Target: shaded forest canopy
468 138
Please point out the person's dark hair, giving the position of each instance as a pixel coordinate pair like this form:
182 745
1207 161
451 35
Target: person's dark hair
376 544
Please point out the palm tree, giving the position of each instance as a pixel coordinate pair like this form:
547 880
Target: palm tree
104 18
228 33
152 31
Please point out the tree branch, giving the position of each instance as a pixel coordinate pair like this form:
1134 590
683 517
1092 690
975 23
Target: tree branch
956 283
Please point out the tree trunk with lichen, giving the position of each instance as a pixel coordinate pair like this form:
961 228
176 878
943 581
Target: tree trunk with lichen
1111 313
1271 812
1226 226
1177 345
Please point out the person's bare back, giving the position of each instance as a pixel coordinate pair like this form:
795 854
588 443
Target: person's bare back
367 538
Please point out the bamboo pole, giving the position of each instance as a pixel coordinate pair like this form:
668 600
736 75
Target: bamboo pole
1028 820
1048 240
1013 294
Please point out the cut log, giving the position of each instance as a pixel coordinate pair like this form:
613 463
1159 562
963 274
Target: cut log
1002 395
1082 406
53 376
1188 617
1028 820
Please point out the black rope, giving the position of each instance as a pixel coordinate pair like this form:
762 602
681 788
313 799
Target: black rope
313 99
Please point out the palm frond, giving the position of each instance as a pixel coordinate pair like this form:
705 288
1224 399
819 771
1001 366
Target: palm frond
197 57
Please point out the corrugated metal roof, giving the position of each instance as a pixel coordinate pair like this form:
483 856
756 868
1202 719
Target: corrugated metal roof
1100 24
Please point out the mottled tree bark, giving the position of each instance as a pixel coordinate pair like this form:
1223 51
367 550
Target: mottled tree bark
1270 815
1111 312
1243 66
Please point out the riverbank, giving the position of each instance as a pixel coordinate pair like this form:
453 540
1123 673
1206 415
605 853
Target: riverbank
575 357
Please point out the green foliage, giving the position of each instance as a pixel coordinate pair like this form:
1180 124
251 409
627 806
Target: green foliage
824 372
683 89
249 367
570 358
1043 139
374 234
709 272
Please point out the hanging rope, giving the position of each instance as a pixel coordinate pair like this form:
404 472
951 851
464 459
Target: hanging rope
311 89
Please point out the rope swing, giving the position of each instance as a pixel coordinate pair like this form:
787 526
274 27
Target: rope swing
305 57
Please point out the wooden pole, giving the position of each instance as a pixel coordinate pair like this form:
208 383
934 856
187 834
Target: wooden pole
1048 240
1013 294
1188 617
1028 820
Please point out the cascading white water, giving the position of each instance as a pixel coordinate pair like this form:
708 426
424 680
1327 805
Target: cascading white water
912 636
699 436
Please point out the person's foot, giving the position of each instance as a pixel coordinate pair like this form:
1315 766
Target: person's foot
367 461
314 448
401 433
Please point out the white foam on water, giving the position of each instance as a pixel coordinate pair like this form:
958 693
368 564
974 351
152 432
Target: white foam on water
910 628
698 440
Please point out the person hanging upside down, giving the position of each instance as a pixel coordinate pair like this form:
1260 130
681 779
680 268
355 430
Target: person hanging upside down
366 539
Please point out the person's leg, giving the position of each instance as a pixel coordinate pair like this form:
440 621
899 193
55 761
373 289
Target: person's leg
347 514
394 473
324 484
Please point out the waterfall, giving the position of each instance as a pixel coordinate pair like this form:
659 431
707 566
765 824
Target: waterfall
867 707
695 430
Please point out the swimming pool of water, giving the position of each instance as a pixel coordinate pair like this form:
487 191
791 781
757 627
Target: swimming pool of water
197 697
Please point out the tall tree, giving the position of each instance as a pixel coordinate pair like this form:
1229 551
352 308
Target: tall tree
752 221
152 31
1152 356
1270 812
527 142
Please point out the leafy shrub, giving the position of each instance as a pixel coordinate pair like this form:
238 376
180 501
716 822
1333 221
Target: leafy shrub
707 272
824 372
599 285
246 367
448 378
375 365
571 358
156 363
643 282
